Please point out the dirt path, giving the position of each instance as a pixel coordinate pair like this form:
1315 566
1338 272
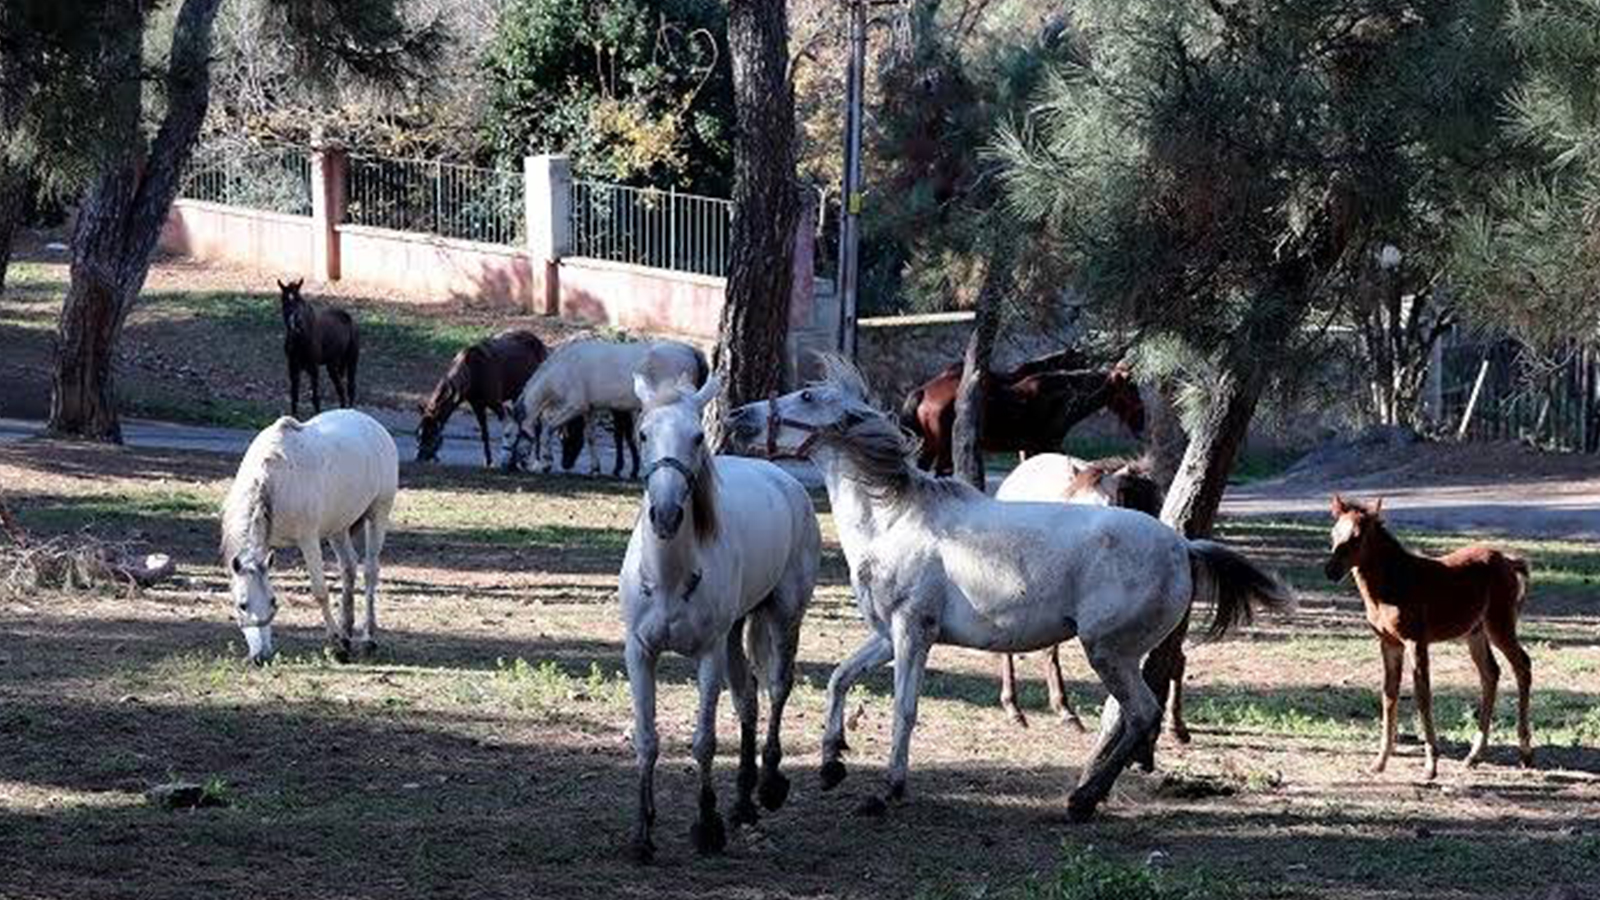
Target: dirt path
1490 488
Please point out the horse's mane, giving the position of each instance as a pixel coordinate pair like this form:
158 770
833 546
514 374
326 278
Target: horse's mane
876 447
703 487
453 386
247 511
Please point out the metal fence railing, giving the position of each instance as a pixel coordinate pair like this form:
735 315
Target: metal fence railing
651 227
275 179
446 199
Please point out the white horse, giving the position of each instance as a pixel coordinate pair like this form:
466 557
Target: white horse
935 561
1058 478
590 374
301 483
720 568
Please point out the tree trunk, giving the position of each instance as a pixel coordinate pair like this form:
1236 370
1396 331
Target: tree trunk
966 444
1191 506
1165 440
12 204
753 334
120 220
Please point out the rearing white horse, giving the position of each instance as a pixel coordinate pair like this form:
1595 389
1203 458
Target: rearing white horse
301 483
935 561
720 568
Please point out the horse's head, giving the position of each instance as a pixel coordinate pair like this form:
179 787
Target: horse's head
254 605
430 432
1353 525
672 445
572 442
791 424
1123 399
290 300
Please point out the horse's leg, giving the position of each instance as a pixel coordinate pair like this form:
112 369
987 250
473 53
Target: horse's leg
1175 722
1422 687
483 432
1503 632
1489 686
591 433
294 388
336 378
1136 717
708 834
616 443
1394 657
311 551
1060 701
641 663
783 643
316 387
1163 671
344 550
873 652
633 443
377 529
350 375
742 684
1008 689
912 641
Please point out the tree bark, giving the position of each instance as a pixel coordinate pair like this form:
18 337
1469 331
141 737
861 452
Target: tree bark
12 204
120 220
966 444
1165 440
753 333
1191 506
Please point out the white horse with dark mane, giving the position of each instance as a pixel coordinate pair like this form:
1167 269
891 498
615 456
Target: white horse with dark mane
936 561
720 568
588 374
301 483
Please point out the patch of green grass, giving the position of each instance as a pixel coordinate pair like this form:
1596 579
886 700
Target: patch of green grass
219 411
65 514
1085 873
547 685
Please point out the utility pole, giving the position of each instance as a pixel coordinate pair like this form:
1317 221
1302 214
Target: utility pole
850 207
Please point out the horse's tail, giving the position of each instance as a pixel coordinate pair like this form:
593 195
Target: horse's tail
1233 584
1519 568
908 412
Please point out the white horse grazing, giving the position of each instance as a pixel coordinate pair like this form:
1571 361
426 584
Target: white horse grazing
301 483
1058 478
590 374
935 561
720 568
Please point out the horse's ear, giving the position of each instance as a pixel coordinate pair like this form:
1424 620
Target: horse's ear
707 391
238 567
267 563
1338 506
642 389
281 285
297 283
1377 507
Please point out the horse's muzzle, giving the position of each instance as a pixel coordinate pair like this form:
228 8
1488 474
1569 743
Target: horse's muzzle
666 519
744 424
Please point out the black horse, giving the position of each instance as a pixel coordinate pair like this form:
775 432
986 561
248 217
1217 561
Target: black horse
314 338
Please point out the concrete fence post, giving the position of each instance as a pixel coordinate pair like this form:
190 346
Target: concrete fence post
328 166
547 198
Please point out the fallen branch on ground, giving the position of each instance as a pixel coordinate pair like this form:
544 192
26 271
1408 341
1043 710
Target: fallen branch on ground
71 561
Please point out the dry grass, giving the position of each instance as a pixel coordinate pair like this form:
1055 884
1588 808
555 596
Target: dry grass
483 752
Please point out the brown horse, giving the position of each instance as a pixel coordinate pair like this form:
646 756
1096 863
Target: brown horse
314 338
1029 409
1053 477
1412 601
485 376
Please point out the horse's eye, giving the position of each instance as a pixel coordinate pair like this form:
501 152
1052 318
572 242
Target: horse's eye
644 438
805 397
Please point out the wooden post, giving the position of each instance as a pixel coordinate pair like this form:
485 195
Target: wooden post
547 204
327 210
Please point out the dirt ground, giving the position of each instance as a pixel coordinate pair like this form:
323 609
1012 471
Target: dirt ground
485 752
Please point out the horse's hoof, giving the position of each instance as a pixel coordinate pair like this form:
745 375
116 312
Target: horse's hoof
1181 735
833 773
872 807
1074 724
1080 810
642 851
1378 765
1525 758
744 813
709 835
339 650
1017 718
774 791
366 649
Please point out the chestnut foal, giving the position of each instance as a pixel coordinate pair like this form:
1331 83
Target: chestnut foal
1412 601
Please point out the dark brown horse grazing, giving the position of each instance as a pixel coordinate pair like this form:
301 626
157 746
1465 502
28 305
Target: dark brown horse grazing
1412 601
1029 409
572 435
485 376
314 338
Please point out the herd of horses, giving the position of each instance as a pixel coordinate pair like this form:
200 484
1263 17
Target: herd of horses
723 557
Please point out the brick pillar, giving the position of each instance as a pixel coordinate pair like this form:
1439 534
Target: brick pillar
327 210
547 199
